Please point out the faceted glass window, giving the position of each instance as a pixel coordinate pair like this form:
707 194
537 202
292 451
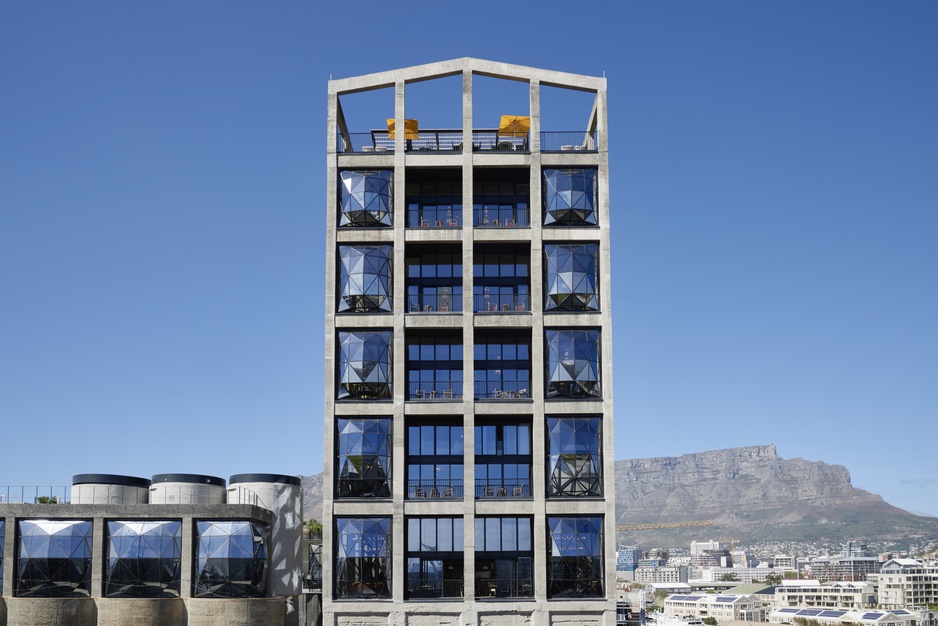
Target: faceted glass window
364 458
570 197
365 278
363 557
231 559
365 364
575 561
573 364
367 198
143 559
571 277
54 559
574 456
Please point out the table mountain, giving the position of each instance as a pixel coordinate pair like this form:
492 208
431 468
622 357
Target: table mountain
750 493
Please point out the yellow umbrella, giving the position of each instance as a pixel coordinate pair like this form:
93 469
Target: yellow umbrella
514 125
410 129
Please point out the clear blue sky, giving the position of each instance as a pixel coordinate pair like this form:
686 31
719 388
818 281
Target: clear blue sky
162 187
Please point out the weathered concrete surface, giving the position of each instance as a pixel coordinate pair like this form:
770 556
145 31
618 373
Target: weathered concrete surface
141 611
236 611
50 612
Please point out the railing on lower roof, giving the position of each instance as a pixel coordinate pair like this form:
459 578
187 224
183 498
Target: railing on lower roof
32 494
568 141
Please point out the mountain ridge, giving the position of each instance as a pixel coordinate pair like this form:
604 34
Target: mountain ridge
749 492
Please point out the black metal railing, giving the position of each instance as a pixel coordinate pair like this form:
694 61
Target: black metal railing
504 588
418 588
500 303
572 141
434 303
502 389
447 390
426 217
443 489
37 494
501 488
486 140
500 217
494 141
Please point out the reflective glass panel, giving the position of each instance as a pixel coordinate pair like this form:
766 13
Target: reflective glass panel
573 363
575 561
231 559
574 456
569 197
367 198
570 280
143 559
364 364
363 557
365 278
53 558
363 462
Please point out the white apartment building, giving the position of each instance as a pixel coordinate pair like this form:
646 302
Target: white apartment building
838 595
723 607
847 618
905 583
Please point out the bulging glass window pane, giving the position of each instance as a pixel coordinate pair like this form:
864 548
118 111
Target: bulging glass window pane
143 559
365 278
575 561
363 557
231 559
367 198
570 197
573 363
571 280
53 558
364 364
363 459
574 456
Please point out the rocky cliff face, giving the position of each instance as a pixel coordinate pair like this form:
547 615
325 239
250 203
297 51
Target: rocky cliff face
750 493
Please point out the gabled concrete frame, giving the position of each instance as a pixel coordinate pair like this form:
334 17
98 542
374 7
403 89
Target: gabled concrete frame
540 611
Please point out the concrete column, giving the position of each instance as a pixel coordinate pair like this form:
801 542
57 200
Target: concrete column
99 555
187 562
9 552
468 346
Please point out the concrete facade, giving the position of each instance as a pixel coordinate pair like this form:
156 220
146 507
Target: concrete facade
466 161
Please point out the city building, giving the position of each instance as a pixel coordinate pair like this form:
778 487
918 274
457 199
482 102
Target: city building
722 607
906 583
627 558
837 595
830 617
468 353
177 549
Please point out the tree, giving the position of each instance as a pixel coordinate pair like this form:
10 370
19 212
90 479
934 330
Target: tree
773 579
710 621
728 578
313 527
47 500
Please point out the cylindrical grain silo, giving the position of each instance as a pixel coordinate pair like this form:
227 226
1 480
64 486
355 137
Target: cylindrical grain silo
283 496
109 489
187 489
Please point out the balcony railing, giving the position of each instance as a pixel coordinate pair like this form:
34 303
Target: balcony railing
35 494
419 588
498 303
494 488
501 389
504 588
451 140
568 141
449 390
498 217
442 489
426 217
435 303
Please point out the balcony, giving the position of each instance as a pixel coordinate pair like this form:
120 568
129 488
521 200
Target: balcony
498 588
501 216
439 390
441 489
500 303
568 141
441 140
498 389
428 588
487 489
435 303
